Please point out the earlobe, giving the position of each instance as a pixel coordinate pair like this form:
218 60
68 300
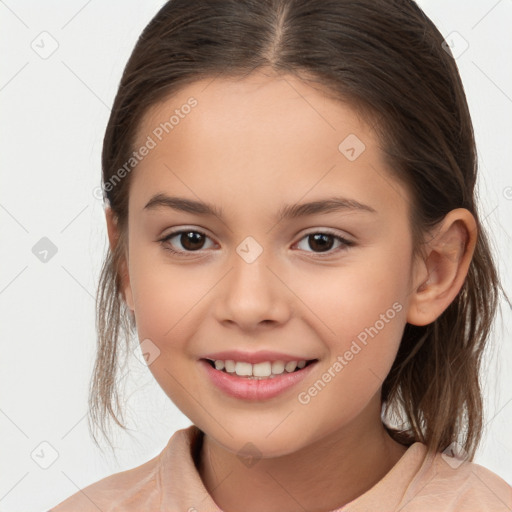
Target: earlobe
113 237
441 274
128 298
112 232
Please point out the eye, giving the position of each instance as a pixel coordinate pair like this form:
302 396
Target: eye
323 241
191 240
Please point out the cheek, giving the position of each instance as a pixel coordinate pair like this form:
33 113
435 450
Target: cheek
167 303
359 309
165 295
361 317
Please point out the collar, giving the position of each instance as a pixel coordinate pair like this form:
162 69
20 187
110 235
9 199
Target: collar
183 489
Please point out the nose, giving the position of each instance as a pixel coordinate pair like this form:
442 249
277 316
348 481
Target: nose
253 294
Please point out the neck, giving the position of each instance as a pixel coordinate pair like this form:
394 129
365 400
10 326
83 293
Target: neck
321 477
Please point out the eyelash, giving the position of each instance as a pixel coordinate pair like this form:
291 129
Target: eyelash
186 254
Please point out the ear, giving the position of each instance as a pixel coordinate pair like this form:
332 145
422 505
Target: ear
113 237
440 274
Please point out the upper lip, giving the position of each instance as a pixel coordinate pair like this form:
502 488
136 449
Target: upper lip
254 357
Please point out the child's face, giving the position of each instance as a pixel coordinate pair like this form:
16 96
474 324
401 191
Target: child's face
250 147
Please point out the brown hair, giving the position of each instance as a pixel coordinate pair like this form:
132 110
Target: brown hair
386 58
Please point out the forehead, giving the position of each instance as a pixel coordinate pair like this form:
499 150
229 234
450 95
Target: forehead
263 136
259 102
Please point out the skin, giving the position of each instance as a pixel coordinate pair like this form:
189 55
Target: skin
250 146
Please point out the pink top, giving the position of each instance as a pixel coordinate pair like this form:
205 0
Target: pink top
170 482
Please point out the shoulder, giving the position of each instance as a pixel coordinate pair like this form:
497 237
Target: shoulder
133 489
447 483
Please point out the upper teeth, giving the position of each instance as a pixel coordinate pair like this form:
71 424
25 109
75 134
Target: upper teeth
259 369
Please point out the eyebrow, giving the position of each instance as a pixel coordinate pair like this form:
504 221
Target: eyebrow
292 211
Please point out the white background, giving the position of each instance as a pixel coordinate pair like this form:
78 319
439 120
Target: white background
54 113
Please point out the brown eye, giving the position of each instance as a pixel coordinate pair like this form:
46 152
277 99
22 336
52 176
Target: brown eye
190 240
323 242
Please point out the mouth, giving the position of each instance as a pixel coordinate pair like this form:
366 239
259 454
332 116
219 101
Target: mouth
237 379
261 371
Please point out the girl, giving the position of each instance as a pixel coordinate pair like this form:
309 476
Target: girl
294 238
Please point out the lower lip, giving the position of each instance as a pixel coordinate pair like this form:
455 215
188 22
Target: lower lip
255 389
